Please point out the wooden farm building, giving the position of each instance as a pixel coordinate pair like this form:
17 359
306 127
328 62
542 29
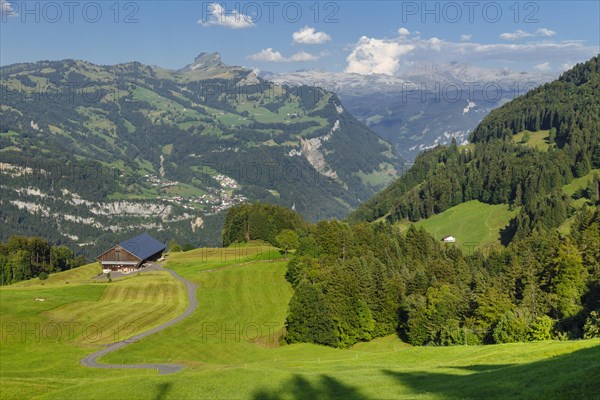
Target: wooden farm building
131 254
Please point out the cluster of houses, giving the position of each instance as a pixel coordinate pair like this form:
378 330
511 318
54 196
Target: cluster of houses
155 181
216 200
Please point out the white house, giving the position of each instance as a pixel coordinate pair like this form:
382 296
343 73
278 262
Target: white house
449 239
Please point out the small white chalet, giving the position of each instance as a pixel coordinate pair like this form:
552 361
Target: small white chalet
449 239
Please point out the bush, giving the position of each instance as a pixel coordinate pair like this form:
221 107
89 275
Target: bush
511 328
43 276
451 333
175 249
541 329
591 329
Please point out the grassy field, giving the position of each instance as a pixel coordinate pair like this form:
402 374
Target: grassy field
81 275
473 224
580 183
230 346
570 189
537 139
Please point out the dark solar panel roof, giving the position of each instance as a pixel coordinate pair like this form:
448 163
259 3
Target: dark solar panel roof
142 246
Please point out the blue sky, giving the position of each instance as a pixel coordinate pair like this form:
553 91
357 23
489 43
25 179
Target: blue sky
353 36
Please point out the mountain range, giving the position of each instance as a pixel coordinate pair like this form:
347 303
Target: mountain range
91 153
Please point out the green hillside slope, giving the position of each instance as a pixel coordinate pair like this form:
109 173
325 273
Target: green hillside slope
233 361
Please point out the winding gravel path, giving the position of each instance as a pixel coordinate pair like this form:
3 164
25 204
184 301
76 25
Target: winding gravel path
91 360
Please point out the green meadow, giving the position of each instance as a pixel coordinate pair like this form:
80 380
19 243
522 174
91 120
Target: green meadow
537 140
580 183
231 346
473 224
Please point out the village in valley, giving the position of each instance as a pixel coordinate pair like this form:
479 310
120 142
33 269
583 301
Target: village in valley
216 200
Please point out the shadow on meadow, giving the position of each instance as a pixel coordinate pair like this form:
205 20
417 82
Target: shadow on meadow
571 376
299 387
162 390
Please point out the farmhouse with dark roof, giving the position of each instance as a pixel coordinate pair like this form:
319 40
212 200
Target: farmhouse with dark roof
131 254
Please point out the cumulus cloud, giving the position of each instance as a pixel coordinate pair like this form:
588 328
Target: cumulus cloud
520 34
376 56
465 37
267 55
6 8
544 67
403 32
308 35
270 55
217 15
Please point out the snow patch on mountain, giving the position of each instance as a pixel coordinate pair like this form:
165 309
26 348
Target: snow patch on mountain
470 105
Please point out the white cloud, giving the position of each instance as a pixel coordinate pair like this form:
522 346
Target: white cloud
267 55
303 56
220 17
465 37
519 34
6 8
403 32
567 66
544 67
270 55
435 44
516 35
545 32
308 35
376 56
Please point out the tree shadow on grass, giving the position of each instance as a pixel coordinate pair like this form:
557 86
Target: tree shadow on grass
508 232
481 367
571 376
299 387
162 390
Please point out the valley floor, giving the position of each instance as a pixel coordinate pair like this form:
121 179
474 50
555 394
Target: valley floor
230 346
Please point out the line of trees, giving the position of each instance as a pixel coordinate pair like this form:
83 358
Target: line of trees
260 221
29 257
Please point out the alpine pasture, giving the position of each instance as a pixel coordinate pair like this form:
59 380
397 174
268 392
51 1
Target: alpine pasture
233 347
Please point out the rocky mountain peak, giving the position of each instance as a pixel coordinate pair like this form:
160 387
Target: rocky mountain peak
204 60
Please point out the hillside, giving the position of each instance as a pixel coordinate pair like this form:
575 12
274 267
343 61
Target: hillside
500 167
226 357
90 153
